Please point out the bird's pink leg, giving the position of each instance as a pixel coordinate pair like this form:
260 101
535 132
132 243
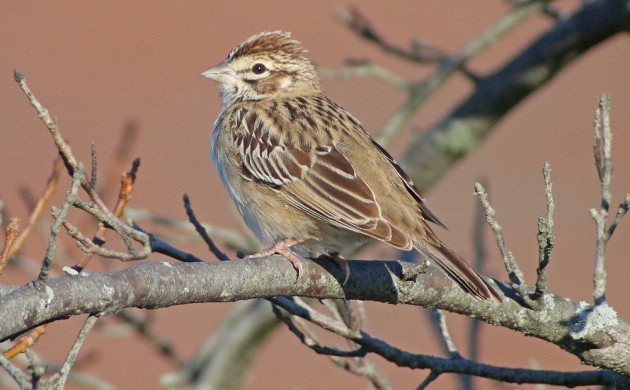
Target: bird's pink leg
283 248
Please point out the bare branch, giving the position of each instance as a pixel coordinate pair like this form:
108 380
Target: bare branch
18 375
439 321
51 188
233 239
366 369
621 211
366 69
94 170
60 378
602 149
24 342
127 181
514 272
465 128
545 238
433 375
439 365
422 91
202 231
142 327
122 155
356 22
222 361
143 286
309 339
49 121
10 234
60 217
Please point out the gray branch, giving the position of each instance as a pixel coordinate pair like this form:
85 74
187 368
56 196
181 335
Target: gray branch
465 128
595 334
223 359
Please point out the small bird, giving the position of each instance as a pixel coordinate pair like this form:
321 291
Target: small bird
307 178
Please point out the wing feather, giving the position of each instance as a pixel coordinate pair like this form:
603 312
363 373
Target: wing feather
317 179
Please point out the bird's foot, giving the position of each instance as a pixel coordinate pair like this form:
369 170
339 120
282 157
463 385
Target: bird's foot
283 247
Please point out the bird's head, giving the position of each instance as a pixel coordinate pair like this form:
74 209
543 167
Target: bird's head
269 64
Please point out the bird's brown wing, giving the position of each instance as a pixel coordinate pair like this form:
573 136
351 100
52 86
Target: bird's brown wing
316 178
411 187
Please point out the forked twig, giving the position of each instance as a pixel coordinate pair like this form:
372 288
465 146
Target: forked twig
602 150
60 216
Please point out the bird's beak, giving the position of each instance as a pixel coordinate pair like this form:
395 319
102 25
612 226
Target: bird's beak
221 73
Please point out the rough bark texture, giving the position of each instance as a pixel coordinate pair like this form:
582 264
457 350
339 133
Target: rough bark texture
596 335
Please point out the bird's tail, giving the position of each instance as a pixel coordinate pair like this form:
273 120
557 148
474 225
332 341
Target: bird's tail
457 269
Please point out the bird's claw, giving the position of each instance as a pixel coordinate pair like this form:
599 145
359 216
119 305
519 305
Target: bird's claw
283 248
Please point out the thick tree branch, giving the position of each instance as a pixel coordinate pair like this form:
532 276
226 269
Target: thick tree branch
598 337
441 365
422 91
432 153
223 359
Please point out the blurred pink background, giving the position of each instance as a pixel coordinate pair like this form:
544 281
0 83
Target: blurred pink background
96 65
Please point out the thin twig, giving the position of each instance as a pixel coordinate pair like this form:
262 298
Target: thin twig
49 121
94 164
10 235
439 321
51 188
602 150
366 69
60 378
122 155
367 370
514 272
344 314
18 375
440 365
621 211
202 231
97 207
474 332
127 181
232 238
60 217
47 367
425 89
35 369
90 247
309 339
433 375
545 237
24 342
142 327
419 53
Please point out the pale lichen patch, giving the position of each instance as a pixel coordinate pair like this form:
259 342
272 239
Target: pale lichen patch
591 319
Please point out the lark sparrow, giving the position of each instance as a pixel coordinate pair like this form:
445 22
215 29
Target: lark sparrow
306 176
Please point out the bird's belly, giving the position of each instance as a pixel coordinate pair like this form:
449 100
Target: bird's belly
272 217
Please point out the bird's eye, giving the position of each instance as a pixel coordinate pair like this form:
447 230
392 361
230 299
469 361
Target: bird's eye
259 68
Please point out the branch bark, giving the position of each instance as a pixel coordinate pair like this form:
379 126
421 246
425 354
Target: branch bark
595 334
430 154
